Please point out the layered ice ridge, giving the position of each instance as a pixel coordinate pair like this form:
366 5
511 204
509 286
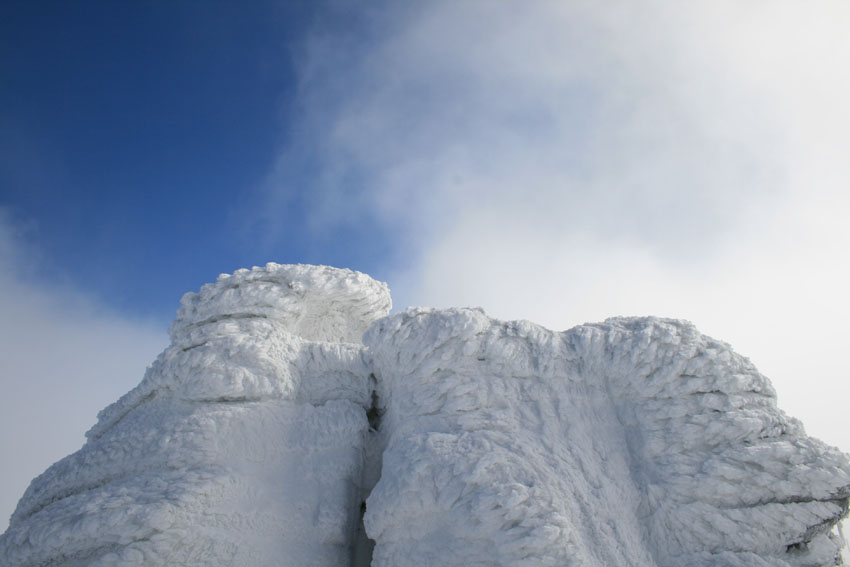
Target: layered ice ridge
256 436
249 335
242 445
317 303
725 477
638 441
499 451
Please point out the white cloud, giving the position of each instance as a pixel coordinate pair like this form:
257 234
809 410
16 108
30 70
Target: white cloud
63 359
569 161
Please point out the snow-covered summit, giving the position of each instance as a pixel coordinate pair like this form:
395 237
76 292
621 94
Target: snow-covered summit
314 302
268 434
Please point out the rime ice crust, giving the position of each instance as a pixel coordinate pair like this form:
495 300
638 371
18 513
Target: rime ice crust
243 444
499 451
632 442
317 303
250 335
254 437
725 477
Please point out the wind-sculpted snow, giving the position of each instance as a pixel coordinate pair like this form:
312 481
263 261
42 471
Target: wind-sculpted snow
633 442
243 444
255 437
498 453
314 302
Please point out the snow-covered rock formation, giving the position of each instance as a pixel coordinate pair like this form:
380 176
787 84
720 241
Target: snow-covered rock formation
267 428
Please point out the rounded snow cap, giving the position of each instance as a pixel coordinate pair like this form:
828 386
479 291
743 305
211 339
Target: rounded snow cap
318 303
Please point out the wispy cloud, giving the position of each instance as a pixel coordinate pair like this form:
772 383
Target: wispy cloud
63 358
568 161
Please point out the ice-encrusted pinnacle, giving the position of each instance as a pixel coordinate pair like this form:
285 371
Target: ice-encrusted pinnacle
242 444
313 302
636 442
267 433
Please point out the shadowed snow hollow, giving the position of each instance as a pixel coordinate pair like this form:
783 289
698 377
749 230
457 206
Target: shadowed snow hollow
256 437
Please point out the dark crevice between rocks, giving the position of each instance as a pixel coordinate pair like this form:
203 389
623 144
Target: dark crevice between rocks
375 413
361 555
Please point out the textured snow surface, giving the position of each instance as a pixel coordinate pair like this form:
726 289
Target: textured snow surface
254 439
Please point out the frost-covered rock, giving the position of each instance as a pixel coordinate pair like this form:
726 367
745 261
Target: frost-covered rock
255 437
632 442
243 444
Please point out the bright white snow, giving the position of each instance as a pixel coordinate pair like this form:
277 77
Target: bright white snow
255 438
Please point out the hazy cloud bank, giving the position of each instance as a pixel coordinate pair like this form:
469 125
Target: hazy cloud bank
64 357
565 162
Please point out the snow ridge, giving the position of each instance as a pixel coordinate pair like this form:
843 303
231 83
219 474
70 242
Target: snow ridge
268 434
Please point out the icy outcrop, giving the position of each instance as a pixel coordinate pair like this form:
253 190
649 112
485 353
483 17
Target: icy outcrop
636 442
500 453
254 439
243 444
317 303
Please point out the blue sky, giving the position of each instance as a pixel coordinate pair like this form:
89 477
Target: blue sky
554 161
136 137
